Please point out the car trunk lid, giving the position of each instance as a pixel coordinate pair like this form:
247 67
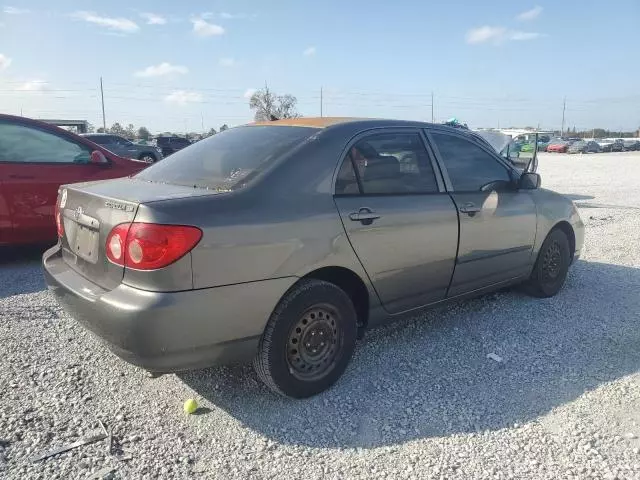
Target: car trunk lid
89 212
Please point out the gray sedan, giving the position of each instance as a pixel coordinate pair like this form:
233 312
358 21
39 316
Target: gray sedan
284 241
126 148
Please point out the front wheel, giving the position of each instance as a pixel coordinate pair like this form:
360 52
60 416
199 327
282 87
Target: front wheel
552 266
308 341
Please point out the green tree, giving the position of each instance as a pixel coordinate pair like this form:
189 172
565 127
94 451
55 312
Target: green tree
117 129
269 106
144 134
130 132
224 127
101 130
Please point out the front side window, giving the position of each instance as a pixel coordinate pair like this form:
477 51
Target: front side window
388 163
23 144
470 168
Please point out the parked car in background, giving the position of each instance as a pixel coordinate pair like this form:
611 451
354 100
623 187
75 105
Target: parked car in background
169 145
584 147
618 145
282 241
35 159
558 146
630 144
125 148
605 144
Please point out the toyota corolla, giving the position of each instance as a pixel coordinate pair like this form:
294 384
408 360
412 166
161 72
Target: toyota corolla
281 242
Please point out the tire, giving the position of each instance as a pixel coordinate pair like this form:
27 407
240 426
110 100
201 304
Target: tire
310 312
552 265
147 157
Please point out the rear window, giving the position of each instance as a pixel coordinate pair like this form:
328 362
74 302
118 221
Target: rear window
227 160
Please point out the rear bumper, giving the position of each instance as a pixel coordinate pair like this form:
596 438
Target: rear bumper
168 331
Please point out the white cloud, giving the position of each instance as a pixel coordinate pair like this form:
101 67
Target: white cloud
530 14
498 35
517 35
233 16
249 92
33 86
310 51
486 34
9 10
162 69
153 19
5 61
118 24
202 28
227 62
182 97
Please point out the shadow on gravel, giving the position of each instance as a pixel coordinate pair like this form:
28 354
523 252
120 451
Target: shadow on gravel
20 270
576 196
430 376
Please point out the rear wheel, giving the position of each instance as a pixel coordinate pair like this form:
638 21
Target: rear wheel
552 266
308 340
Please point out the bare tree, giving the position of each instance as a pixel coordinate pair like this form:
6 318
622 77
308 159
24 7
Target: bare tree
269 106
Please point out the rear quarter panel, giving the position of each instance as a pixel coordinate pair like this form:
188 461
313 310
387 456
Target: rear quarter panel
287 225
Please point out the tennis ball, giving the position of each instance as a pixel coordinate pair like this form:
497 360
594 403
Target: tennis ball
190 406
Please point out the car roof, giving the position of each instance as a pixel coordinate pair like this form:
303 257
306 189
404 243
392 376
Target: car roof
355 123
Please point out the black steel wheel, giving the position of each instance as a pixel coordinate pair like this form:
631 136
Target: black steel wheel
551 267
308 340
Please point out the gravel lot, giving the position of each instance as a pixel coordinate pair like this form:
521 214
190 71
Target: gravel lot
420 399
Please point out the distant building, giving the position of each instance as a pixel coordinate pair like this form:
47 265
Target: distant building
81 126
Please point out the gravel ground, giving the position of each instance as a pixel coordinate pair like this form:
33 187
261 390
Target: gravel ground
420 399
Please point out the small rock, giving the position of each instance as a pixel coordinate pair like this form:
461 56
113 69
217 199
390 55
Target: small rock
494 357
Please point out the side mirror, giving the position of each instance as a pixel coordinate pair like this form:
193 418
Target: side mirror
98 158
529 181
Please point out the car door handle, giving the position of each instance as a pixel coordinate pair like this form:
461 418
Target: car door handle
22 177
364 215
470 209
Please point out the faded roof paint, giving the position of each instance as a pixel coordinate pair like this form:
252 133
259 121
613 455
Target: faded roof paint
312 122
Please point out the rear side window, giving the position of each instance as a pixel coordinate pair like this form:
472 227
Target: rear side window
469 167
228 160
22 144
388 163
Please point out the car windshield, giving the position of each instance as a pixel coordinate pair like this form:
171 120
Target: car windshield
228 160
579 144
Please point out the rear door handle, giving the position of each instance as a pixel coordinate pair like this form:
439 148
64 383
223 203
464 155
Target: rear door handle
364 215
470 209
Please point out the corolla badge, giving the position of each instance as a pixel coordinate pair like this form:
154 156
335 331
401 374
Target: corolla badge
78 212
63 198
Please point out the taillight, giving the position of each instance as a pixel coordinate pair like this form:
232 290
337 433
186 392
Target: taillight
59 223
148 246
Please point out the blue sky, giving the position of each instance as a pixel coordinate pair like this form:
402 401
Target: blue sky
184 65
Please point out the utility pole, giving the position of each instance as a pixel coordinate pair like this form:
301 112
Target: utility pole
321 101
104 121
564 106
432 117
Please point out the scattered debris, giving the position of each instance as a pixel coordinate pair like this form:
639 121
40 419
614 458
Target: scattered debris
102 473
494 357
109 434
70 446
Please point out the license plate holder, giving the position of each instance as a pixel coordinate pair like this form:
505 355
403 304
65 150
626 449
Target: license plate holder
86 244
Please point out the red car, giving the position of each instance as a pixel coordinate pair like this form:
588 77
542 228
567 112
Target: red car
558 147
35 159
